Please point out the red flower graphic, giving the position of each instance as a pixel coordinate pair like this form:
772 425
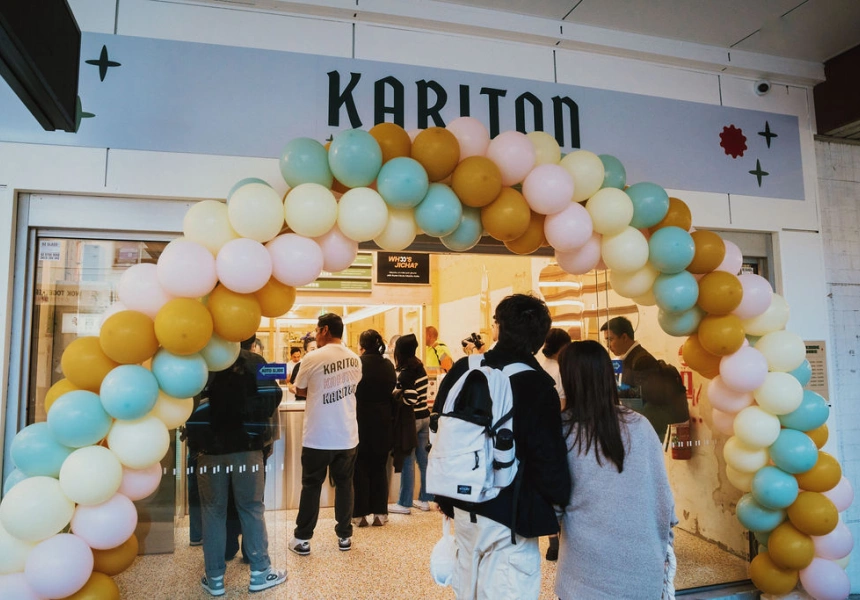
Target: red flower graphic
733 141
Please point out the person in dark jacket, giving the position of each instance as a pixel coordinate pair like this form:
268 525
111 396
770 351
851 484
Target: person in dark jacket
490 564
375 431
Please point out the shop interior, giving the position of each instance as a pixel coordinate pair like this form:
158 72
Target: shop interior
75 285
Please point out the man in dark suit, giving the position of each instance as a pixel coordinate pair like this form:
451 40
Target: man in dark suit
636 362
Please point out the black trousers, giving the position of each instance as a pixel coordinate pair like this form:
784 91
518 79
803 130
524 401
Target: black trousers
315 463
371 484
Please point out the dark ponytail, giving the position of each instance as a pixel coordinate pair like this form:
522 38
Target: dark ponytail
371 342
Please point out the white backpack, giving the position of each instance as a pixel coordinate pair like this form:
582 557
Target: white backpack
461 462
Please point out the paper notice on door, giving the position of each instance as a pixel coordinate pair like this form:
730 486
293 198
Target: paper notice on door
816 354
49 250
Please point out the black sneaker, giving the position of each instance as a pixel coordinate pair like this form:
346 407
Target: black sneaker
344 544
300 547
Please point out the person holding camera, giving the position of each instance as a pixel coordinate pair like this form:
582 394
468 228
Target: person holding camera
473 344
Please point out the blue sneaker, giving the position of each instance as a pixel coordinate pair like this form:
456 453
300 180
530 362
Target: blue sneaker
263 580
213 585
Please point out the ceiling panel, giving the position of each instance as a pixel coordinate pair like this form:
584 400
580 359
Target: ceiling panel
547 9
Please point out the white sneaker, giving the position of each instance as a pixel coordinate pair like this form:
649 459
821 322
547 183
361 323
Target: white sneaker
398 509
300 547
421 505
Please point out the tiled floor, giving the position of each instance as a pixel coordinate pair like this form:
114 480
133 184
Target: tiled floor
386 563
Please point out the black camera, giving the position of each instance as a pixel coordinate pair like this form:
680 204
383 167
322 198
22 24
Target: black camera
473 339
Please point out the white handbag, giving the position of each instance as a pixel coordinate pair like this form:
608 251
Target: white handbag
443 558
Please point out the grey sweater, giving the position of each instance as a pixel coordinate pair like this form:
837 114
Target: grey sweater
615 530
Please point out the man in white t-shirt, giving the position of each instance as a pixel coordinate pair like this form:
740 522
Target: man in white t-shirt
327 378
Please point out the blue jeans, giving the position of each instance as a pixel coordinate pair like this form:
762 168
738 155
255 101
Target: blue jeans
407 476
195 520
215 475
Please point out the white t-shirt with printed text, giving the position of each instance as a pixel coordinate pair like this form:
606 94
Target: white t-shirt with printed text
330 374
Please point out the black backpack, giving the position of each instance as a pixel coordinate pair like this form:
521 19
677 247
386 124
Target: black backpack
664 395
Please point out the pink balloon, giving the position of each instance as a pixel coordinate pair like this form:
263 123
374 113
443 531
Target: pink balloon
569 229
583 259
514 154
745 370
105 525
140 290
296 260
137 484
14 585
733 260
756 297
69 561
473 137
339 251
825 580
186 269
548 189
725 398
842 495
723 422
243 265
836 544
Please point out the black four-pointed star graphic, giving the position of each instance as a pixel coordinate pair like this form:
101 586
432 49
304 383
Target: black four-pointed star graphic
766 134
80 114
758 172
103 63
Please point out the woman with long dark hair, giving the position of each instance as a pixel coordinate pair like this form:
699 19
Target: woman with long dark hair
617 527
375 435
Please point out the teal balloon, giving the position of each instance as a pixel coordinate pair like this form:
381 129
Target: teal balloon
14 478
680 324
355 158
793 451
676 292
245 181
402 182
650 204
78 419
468 232
756 517
762 537
180 376
129 392
671 249
752 339
811 414
614 174
305 160
803 373
773 488
440 211
35 451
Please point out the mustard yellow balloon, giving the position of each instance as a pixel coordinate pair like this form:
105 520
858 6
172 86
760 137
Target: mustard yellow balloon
392 139
679 215
699 359
770 578
235 317
85 364
128 337
507 217
275 298
438 151
819 436
710 251
719 293
183 326
790 548
813 514
98 587
477 181
823 476
532 239
721 335
57 390
116 560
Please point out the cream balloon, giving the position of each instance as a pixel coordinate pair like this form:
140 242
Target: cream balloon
139 444
740 479
90 475
171 411
756 427
780 394
743 457
362 214
547 150
633 283
256 211
773 319
646 299
13 552
208 224
784 350
626 251
611 211
400 230
35 509
588 173
310 209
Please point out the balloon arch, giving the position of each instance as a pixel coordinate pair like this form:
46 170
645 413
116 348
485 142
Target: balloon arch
68 505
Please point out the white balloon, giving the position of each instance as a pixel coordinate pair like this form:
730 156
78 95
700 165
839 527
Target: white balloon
296 260
13 552
139 444
362 214
256 211
399 232
140 290
243 265
90 475
36 509
186 269
310 209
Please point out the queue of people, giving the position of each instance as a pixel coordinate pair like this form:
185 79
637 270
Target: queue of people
589 469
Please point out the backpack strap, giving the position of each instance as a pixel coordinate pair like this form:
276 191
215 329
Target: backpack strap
514 368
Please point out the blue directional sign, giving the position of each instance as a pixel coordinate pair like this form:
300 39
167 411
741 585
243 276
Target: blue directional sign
272 371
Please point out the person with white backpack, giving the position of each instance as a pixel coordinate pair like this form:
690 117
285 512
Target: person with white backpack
497 461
